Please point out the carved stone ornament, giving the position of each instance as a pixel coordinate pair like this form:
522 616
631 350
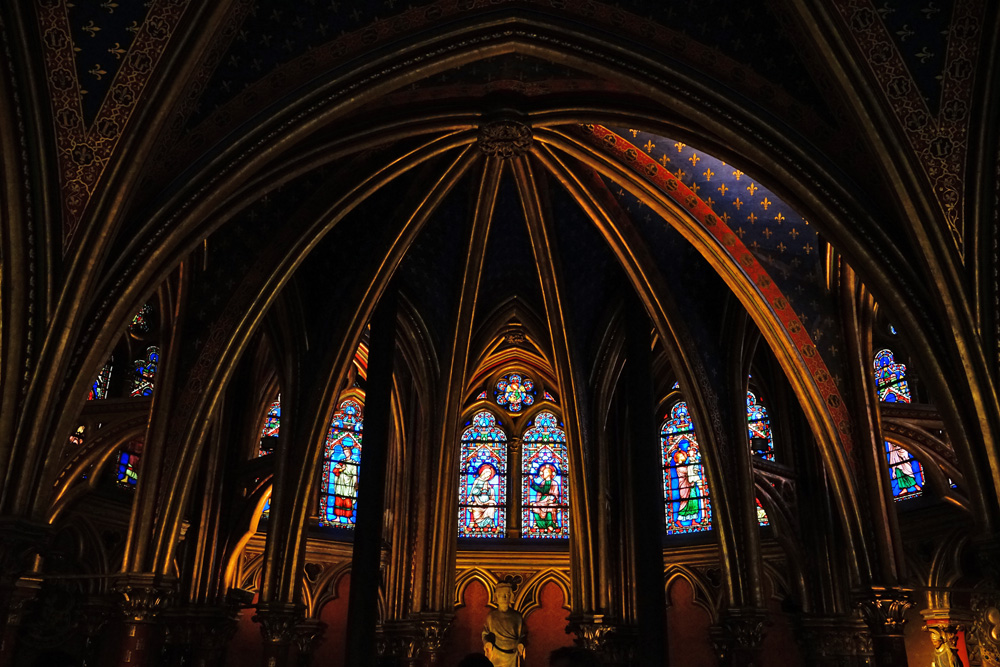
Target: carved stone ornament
740 631
143 597
504 138
278 625
593 631
884 611
835 638
308 634
986 625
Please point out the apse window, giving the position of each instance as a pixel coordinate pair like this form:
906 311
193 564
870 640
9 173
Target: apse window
338 503
890 378
509 491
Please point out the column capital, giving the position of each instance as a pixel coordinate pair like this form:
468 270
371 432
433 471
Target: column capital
308 633
884 610
143 595
739 635
278 622
836 640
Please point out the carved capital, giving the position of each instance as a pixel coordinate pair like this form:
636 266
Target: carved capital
884 611
209 628
308 634
143 596
505 138
278 623
593 631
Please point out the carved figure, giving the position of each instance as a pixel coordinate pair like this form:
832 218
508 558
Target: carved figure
503 634
945 649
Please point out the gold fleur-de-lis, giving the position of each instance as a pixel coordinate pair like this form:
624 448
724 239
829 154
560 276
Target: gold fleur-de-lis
664 160
740 232
694 159
752 218
680 174
679 146
635 133
134 28
794 233
767 232
97 71
780 218
109 5
649 146
752 189
708 174
695 187
738 203
737 174
91 29
808 248
765 203
782 247
723 189
117 50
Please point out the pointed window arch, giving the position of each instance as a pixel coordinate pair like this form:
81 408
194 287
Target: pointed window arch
544 490
482 498
145 372
890 378
905 473
688 504
341 461
759 425
99 390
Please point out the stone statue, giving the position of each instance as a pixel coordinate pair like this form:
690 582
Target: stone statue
503 634
945 647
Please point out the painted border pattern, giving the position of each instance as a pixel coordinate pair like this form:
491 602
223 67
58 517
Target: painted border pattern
668 183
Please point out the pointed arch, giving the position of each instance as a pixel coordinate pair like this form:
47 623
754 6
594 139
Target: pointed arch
685 486
482 501
544 479
341 464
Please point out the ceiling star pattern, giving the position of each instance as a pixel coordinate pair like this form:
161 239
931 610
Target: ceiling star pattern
92 108
668 182
932 101
102 32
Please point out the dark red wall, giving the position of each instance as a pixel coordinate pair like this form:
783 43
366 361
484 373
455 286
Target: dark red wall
465 635
547 626
330 651
687 628
247 647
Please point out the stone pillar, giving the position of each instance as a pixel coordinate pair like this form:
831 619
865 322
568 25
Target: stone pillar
883 610
614 643
738 638
366 576
277 625
308 634
835 641
144 597
17 598
96 614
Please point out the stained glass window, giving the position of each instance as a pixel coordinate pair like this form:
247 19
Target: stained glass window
544 491
269 431
128 464
341 460
890 379
549 397
481 396
145 371
905 473
761 440
140 322
688 506
99 390
762 515
515 392
482 496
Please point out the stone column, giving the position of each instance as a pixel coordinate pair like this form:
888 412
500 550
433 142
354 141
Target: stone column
835 641
431 629
144 597
277 625
738 638
16 601
883 611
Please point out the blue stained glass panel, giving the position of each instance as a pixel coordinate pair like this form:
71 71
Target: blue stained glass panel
890 379
99 390
514 392
685 487
761 439
145 372
905 473
544 482
482 497
342 459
